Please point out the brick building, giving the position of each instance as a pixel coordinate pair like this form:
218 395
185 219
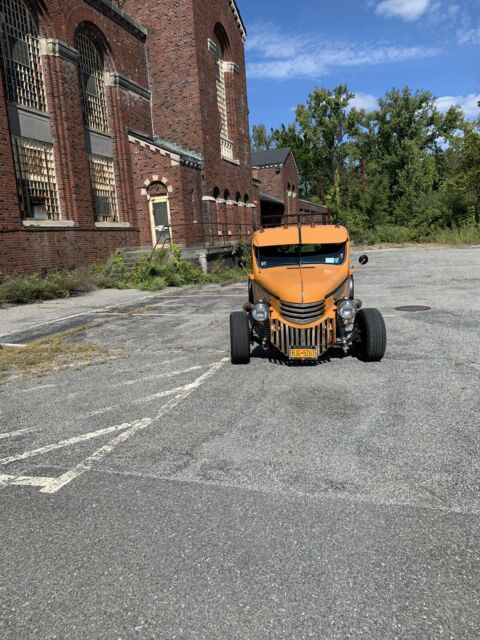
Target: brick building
121 123
276 173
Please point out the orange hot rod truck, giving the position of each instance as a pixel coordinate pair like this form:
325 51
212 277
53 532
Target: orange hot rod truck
301 298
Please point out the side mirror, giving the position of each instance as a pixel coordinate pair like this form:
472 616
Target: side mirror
242 264
363 260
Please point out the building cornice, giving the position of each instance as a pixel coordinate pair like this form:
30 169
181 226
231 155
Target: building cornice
177 155
238 19
115 79
52 47
113 11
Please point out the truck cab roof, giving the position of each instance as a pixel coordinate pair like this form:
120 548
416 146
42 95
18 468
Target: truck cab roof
300 234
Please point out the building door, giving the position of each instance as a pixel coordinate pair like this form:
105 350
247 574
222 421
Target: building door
160 218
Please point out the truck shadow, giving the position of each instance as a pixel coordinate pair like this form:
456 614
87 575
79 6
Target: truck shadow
273 356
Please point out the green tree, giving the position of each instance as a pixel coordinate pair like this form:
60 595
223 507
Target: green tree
461 190
411 136
261 141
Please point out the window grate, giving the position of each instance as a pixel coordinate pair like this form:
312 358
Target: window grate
222 99
221 90
21 55
35 169
92 84
103 187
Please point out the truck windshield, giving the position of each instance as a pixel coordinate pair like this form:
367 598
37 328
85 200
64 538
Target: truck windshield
295 255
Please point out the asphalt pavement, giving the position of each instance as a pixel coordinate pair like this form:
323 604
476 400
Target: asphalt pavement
167 494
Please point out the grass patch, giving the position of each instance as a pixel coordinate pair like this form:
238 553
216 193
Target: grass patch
45 355
60 284
466 235
52 353
161 270
152 273
398 235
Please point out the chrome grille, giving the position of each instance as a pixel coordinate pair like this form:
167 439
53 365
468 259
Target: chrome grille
284 337
302 313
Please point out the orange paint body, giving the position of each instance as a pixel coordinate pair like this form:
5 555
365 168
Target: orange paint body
302 298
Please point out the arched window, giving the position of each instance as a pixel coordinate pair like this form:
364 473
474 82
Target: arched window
92 84
221 88
21 55
220 41
246 198
226 194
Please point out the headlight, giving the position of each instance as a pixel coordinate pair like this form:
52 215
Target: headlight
260 312
347 310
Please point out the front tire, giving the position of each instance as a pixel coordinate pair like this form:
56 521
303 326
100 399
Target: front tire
371 335
240 337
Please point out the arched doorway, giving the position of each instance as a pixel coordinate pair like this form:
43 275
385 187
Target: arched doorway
160 215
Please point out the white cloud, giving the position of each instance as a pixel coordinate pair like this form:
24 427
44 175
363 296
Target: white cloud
468 104
468 35
280 56
405 9
364 101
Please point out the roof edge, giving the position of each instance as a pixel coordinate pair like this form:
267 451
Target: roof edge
238 18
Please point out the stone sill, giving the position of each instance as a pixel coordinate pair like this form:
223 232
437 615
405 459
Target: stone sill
112 225
236 162
49 224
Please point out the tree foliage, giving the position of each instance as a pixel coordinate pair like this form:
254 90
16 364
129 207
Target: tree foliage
403 165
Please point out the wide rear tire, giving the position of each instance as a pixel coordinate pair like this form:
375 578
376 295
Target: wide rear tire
240 337
371 335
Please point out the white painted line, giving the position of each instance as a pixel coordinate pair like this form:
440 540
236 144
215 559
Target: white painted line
24 481
161 394
98 412
189 316
99 455
129 383
145 314
214 294
79 315
41 387
66 443
12 346
14 434
169 374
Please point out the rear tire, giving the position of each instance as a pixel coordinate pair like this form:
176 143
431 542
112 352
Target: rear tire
371 333
240 337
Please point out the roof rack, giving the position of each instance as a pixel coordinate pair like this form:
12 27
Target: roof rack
296 219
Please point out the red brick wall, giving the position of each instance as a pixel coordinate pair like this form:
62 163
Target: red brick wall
27 251
9 204
279 181
184 187
180 70
182 74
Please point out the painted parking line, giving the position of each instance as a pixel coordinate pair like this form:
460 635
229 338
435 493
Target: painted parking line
24 481
158 376
10 345
134 381
125 432
15 434
77 315
85 437
106 450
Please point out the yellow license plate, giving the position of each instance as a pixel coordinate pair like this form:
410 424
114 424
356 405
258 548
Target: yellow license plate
303 354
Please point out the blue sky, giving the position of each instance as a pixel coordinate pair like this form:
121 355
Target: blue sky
370 45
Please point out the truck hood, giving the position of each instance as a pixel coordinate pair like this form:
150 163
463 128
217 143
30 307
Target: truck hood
303 284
